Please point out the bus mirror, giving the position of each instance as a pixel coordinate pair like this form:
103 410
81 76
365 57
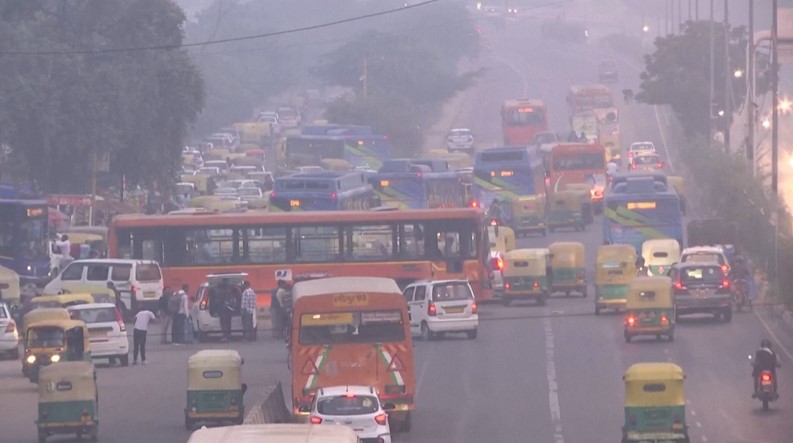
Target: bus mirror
389 407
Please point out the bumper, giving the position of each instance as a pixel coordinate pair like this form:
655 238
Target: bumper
109 348
610 303
649 330
703 306
456 325
528 294
8 342
67 427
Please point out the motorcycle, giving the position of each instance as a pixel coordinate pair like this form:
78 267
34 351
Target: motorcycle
765 386
741 294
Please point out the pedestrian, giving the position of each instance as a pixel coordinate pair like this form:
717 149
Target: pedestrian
179 316
226 303
276 314
184 310
165 314
247 310
284 296
142 319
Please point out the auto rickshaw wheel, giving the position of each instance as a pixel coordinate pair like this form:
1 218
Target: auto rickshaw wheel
15 353
584 292
426 334
727 316
95 433
671 336
541 300
597 310
188 423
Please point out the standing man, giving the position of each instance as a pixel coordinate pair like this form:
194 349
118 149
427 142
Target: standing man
247 310
179 316
142 319
165 314
184 310
226 303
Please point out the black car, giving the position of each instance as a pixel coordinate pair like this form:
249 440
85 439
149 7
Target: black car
702 288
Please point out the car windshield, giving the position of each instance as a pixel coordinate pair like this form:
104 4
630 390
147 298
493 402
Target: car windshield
702 275
459 132
348 405
702 257
96 315
452 292
45 337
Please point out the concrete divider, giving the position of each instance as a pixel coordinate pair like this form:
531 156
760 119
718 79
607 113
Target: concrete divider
270 410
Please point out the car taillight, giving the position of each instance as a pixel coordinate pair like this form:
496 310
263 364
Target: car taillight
664 320
204 302
11 327
536 284
381 419
133 291
315 420
431 310
725 283
507 285
765 377
332 195
660 165
497 263
474 308
725 269
631 320
120 321
633 165
679 285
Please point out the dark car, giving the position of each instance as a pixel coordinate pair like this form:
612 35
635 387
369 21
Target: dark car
607 72
702 288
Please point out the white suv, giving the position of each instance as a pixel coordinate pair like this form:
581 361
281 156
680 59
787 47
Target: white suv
441 306
355 406
9 334
106 330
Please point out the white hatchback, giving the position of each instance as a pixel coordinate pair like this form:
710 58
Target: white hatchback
441 306
9 335
639 148
106 330
357 407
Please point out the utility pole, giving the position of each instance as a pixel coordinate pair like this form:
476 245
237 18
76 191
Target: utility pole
689 10
679 16
727 80
696 11
774 103
365 75
750 111
712 63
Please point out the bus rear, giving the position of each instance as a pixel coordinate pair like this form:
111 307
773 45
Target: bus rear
24 227
502 173
419 190
573 163
633 218
352 330
367 150
521 120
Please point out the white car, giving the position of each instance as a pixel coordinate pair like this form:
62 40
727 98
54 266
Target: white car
9 334
639 148
357 407
706 254
496 265
288 117
106 329
272 119
205 311
441 306
460 139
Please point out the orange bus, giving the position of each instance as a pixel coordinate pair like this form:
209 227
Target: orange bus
521 120
406 245
589 98
568 163
353 331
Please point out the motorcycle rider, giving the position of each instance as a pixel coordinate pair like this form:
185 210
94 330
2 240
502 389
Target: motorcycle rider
641 268
495 211
764 360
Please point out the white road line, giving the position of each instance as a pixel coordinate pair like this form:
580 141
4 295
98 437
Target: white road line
553 394
779 342
693 413
699 425
704 438
423 371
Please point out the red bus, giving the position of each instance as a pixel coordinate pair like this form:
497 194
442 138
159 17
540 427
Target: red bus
569 163
353 331
406 245
521 120
589 98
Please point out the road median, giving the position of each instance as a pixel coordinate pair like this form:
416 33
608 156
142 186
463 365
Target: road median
272 409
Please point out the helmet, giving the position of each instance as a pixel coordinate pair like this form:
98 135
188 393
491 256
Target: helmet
765 343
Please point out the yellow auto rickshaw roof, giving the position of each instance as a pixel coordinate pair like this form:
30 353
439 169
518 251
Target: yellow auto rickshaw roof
654 372
57 323
565 245
651 283
661 285
63 298
610 252
67 369
9 277
42 314
528 253
215 357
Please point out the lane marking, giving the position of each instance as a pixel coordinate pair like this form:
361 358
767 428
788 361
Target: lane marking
699 425
423 371
553 386
779 342
693 413
704 438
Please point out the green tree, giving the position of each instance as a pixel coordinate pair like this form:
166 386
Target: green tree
78 92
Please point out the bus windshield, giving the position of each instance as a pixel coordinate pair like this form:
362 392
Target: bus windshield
351 327
526 116
578 161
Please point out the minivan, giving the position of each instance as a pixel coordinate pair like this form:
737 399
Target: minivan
139 282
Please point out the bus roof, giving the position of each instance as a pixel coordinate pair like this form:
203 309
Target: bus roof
336 129
340 285
275 433
24 202
523 102
267 218
592 89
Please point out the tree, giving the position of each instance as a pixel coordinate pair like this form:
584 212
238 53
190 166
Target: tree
678 73
79 93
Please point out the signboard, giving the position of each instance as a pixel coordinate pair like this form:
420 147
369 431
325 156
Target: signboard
350 300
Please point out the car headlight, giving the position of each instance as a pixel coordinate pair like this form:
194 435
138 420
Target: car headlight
55 358
31 359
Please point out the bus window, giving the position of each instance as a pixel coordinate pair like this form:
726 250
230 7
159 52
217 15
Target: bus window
351 327
316 243
369 242
411 244
264 245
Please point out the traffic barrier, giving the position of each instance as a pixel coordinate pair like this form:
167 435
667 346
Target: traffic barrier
272 410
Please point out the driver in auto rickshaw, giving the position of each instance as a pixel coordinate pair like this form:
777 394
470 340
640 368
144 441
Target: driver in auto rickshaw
53 341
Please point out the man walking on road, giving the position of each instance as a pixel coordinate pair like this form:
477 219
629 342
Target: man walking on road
248 310
142 319
165 314
180 314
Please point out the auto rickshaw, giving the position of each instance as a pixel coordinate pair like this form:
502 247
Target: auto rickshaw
214 388
10 289
585 191
660 254
525 275
528 215
61 300
568 268
98 291
68 401
501 239
655 404
650 308
565 210
42 314
614 269
54 341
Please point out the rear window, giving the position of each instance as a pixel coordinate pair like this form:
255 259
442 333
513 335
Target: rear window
646 159
148 272
703 274
703 257
452 291
96 315
343 405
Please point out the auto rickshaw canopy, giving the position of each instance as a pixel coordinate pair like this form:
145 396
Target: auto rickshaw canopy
654 384
615 262
61 300
63 325
526 261
660 251
650 293
98 291
567 254
9 284
67 381
616 253
43 314
528 205
568 200
214 369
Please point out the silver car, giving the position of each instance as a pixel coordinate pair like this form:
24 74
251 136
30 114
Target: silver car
460 139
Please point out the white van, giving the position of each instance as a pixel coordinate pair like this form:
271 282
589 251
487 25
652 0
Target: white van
139 282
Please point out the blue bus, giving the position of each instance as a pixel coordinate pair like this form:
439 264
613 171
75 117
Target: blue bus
502 173
357 150
322 191
418 186
24 238
640 208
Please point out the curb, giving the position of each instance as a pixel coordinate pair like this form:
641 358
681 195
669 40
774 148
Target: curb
255 416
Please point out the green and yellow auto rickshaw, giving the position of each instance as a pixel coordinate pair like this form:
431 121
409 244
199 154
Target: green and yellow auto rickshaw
53 341
585 192
214 388
660 254
655 404
528 215
568 268
525 275
650 308
68 401
566 210
615 267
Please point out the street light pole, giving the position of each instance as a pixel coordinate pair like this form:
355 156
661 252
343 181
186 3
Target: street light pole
749 108
712 74
774 103
727 80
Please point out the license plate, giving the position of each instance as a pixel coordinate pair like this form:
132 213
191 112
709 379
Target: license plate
454 310
149 294
99 333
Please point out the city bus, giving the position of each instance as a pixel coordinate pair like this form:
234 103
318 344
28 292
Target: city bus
322 191
521 120
582 98
569 163
502 173
406 245
356 150
24 239
640 208
419 187
352 331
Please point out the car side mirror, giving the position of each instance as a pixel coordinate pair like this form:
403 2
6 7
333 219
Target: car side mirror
389 407
304 409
